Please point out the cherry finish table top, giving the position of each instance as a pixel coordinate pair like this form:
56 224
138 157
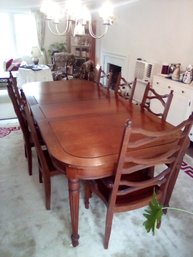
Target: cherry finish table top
82 124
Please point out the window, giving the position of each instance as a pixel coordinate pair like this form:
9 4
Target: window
19 34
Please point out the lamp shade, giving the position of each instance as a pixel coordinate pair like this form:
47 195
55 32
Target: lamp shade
35 52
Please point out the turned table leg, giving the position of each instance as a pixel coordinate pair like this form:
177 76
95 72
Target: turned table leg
74 187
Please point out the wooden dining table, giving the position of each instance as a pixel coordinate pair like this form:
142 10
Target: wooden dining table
82 125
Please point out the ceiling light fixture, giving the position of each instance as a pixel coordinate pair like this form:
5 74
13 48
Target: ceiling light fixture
76 17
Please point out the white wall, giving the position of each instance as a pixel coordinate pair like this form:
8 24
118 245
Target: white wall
154 30
51 38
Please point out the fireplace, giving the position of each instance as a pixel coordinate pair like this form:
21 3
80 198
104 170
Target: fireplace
115 63
115 69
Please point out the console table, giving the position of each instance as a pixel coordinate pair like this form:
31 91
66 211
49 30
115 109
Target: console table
182 102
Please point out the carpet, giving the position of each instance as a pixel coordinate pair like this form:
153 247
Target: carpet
6 107
27 229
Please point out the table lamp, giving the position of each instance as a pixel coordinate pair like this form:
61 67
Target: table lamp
36 54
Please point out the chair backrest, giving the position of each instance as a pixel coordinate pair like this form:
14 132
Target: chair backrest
15 88
154 102
140 150
87 71
17 105
124 88
104 79
31 125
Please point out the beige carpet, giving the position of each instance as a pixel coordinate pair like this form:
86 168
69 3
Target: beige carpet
6 107
27 229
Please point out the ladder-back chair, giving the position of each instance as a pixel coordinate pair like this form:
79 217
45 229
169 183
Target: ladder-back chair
124 88
104 79
15 97
151 100
135 181
46 167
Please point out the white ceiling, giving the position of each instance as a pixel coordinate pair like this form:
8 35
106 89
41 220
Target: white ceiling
28 4
19 4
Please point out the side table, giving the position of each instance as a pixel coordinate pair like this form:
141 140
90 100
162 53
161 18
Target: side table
33 74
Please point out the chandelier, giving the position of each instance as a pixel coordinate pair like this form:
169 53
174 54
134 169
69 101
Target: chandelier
74 16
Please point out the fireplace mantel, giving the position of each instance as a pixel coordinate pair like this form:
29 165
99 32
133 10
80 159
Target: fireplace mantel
116 59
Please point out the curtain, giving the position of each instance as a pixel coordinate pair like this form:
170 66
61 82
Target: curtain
41 27
16 41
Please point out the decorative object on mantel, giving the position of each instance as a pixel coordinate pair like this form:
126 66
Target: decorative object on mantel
172 68
36 54
176 73
76 16
188 74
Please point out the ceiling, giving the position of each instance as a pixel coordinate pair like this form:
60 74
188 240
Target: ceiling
28 4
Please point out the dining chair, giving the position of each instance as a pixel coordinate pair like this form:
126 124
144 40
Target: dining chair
104 79
155 103
124 88
15 97
134 181
87 71
46 166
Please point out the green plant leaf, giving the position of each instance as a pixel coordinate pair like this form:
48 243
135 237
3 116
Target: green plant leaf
153 215
60 47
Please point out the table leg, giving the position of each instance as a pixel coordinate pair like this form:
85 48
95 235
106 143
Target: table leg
74 188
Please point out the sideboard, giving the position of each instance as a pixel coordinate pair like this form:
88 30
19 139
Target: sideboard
182 102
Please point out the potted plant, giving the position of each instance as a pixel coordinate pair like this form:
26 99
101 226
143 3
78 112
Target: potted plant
56 47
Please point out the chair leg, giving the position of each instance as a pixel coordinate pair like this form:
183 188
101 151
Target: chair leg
28 155
109 221
40 172
25 151
40 176
47 189
87 194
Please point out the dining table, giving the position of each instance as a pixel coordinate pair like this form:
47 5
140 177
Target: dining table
82 125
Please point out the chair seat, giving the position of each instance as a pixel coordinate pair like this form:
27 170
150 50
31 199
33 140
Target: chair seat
104 188
52 169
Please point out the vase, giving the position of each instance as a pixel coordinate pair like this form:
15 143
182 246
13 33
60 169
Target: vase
176 73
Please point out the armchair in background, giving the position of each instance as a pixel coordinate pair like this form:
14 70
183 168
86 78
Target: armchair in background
63 64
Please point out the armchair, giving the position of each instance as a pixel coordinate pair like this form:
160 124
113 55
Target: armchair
62 65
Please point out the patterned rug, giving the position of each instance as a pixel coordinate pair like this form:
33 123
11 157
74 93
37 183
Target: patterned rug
187 169
6 131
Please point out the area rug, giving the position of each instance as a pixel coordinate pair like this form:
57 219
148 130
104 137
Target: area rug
27 229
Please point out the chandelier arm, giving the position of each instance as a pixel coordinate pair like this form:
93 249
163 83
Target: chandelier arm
57 32
97 36
68 25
